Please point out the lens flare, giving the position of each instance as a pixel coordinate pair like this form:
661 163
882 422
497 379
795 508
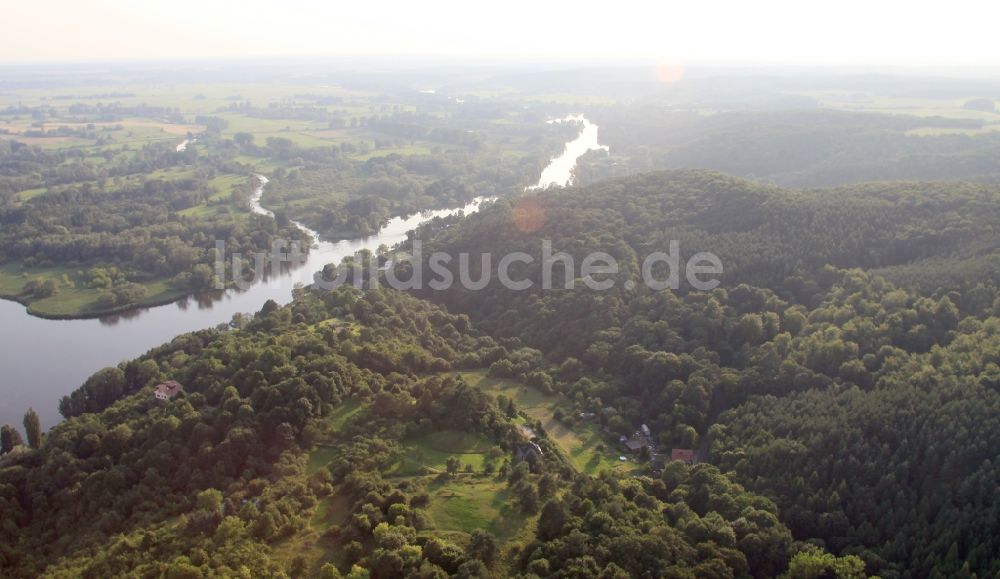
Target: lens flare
670 72
529 215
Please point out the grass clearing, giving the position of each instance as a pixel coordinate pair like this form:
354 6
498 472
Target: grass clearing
462 505
579 443
332 510
219 202
319 457
73 298
311 546
412 149
29 194
859 101
430 453
342 414
938 131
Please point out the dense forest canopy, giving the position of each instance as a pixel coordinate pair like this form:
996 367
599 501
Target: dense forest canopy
769 373
836 417
798 147
205 483
829 410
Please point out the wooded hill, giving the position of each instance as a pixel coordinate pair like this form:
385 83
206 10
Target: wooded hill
843 422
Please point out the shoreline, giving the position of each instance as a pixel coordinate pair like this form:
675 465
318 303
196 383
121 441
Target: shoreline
95 314
178 295
256 206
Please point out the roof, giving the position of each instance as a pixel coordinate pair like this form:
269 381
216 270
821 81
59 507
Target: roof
636 444
170 388
683 455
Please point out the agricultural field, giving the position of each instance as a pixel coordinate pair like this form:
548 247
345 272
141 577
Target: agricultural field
952 108
341 161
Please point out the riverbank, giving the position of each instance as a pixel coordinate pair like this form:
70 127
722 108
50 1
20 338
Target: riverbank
73 300
559 171
44 360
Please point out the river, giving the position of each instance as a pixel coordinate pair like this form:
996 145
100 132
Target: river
43 360
559 171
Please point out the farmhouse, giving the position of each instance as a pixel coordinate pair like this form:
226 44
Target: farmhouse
685 455
636 443
640 439
167 390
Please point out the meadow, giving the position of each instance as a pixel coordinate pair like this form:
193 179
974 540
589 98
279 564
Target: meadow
584 444
74 298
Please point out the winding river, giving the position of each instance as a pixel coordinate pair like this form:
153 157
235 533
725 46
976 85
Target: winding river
42 360
559 171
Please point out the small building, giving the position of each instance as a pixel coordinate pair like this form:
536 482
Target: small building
167 390
645 430
635 444
685 455
640 441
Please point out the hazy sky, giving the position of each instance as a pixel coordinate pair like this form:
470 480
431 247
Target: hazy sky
694 31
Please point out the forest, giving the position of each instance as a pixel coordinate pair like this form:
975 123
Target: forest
830 410
109 188
839 412
217 481
794 146
99 213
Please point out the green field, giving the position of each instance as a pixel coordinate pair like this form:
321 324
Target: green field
311 546
463 505
221 200
342 414
937 131
331 511
319 457
429 453
188 100
952 108
31 193
73 298
128 131
414 149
